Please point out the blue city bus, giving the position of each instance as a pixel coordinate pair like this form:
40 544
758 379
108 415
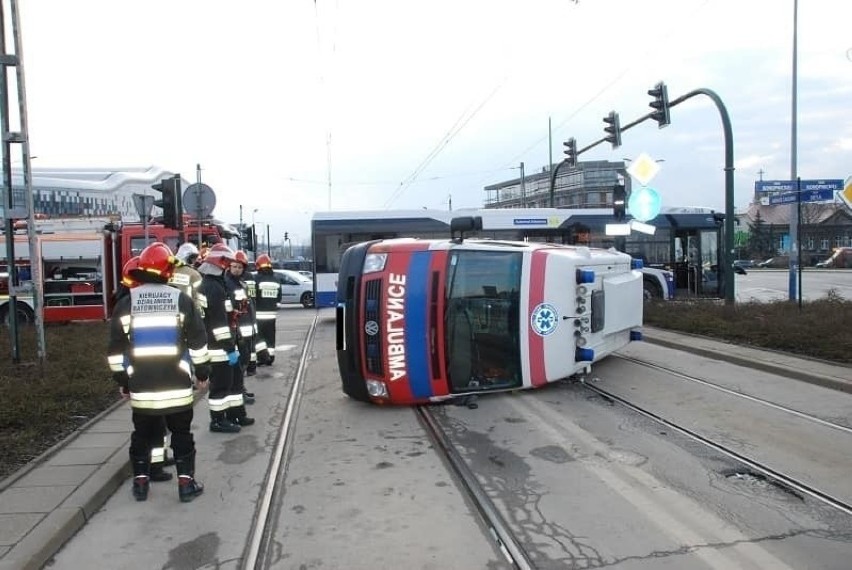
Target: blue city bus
686 242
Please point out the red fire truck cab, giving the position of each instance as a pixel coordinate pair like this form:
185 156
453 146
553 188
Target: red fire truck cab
80 264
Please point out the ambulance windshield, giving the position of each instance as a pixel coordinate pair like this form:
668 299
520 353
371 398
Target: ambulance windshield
482 320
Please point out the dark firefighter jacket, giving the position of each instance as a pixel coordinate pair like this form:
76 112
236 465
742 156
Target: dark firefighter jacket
267 295
154 332
214 300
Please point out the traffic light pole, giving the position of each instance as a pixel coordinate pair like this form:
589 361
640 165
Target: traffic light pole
725 265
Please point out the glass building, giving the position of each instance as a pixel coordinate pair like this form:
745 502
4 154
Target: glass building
588 185
85 192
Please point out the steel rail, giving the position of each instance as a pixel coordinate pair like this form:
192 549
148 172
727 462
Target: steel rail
259 535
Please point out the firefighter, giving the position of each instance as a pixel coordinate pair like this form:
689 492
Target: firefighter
159 441
151 331
259 343
186 277
267 297
243 320
222 342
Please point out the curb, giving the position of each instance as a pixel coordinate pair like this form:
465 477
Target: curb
777 369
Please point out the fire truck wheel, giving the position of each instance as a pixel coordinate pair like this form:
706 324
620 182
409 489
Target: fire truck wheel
25 314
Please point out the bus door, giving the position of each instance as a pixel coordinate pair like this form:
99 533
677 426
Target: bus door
696 254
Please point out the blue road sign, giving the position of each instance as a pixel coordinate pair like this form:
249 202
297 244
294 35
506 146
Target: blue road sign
774 185
805 196
811 191
790 185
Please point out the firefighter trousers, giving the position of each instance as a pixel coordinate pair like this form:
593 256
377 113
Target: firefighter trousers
220 395
148 427
266 330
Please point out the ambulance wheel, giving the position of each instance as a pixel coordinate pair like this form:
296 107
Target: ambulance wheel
25 314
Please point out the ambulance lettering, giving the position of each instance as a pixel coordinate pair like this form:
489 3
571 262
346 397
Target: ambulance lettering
396 326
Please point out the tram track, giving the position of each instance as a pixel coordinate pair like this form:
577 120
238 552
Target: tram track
735 393
488 512
260 536
774 475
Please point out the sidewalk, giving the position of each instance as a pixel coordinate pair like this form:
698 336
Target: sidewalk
44 504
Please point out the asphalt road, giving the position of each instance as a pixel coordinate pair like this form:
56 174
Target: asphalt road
765 285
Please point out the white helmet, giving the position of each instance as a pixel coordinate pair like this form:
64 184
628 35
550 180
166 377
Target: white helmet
187 251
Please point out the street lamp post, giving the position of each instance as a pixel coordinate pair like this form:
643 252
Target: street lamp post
254 234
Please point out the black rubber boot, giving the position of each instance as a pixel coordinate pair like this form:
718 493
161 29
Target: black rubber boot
248 397
239 417
221 424
188 487
141 477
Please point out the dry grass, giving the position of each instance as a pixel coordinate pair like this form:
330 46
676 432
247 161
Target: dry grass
40 406
43 404
820 329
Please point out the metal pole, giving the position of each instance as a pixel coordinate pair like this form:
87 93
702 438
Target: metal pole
9 230
198 199
523 188
550 149
36 269
799 249
794 224
240 236
267 241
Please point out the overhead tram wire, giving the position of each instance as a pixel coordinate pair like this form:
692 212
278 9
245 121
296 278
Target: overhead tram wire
605 88
460 123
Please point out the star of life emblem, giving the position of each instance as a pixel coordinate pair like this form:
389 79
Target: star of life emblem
544 319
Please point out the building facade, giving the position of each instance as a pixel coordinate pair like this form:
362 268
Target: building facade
588 185
85 192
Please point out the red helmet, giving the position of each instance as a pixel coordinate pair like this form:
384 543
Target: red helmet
127 277
263 261
241 257
157 259
220 255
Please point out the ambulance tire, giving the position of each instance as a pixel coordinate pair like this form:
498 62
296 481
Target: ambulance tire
25 314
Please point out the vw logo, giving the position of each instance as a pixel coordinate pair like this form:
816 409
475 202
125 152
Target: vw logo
371 328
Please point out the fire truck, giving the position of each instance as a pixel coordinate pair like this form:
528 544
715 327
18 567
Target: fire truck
81 263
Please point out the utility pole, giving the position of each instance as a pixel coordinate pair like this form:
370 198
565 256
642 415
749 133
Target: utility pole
13 210
523 188
793 216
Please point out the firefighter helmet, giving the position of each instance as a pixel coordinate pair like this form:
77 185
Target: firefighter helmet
263 262
187 253
220 255
127 277
157 259
241 257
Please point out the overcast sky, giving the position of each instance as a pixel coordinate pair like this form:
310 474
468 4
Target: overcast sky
405 103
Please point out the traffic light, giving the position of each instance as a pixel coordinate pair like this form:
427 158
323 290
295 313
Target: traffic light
619 202
286 236
660 104
247 238
613 129
571 152
170 202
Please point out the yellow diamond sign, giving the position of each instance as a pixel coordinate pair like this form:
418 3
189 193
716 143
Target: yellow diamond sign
643 169
846 193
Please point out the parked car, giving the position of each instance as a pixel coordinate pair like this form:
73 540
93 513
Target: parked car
777 262
840 258
744 263
295 288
